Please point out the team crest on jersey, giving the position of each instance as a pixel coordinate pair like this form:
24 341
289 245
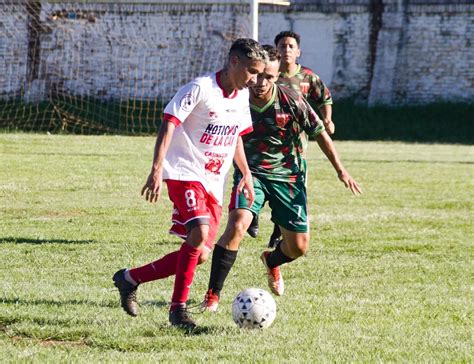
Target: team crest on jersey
304 87
282 119
186 102
213 115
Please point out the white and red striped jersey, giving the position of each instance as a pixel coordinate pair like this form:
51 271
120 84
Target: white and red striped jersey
208 122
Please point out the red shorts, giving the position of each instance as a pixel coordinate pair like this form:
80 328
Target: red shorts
193 206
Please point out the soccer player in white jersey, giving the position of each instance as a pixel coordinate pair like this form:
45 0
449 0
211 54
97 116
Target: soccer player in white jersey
198 139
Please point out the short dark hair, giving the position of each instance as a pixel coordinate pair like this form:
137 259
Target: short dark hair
249 48
287 33
273 54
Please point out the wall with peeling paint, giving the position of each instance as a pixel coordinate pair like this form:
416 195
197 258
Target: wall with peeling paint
375 51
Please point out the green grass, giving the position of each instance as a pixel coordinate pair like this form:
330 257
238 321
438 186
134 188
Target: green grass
388 277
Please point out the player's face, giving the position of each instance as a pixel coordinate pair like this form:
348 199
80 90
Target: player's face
289 50
246 71
265 81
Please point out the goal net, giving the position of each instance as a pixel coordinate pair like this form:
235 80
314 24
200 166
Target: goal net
99 66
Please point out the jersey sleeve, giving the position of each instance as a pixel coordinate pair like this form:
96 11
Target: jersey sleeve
319 93
183 103
308 119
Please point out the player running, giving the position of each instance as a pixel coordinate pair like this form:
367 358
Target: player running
274 153
304 81
200 135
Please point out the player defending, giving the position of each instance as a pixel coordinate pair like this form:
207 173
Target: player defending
200 135
274 152
304 81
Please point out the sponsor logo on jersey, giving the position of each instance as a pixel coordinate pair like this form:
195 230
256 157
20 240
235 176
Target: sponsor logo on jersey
214 165
219 135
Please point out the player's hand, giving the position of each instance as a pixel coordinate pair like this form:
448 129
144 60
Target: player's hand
349 182
152 188
329 125
246 186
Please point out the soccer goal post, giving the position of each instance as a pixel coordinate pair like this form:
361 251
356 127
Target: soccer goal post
254 12
99 66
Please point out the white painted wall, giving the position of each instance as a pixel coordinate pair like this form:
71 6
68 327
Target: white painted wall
149 50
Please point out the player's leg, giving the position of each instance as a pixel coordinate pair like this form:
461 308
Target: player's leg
292 246
187 262
225 252
201 213
276 236
128 280
289 211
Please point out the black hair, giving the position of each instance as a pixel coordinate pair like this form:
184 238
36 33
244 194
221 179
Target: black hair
287 33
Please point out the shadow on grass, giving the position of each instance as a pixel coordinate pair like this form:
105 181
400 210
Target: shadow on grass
43 241
154 303
37 302
198 330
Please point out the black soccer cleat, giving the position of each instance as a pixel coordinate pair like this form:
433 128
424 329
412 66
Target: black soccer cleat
180 318
275 239
253 228
128 293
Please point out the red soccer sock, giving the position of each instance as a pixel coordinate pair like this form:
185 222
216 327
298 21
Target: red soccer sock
159 269
186 266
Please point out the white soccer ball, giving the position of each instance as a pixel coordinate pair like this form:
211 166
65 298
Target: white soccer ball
254 308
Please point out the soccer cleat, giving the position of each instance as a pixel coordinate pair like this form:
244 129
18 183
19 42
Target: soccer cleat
253 228
211 301
179 317
275 279
128 293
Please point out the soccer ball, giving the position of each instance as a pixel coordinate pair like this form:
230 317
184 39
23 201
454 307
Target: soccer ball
254 308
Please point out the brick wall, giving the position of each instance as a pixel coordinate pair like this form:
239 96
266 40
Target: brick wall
385 51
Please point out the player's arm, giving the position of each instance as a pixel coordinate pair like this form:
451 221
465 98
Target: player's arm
308 120
153 186
321 96
246 183
326 112
328 148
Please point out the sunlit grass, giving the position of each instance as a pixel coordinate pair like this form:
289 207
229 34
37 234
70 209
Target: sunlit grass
388 276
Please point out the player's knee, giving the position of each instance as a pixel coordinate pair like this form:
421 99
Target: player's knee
302 246
238 229
198 235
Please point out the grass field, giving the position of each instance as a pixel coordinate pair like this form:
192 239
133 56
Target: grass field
389 276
